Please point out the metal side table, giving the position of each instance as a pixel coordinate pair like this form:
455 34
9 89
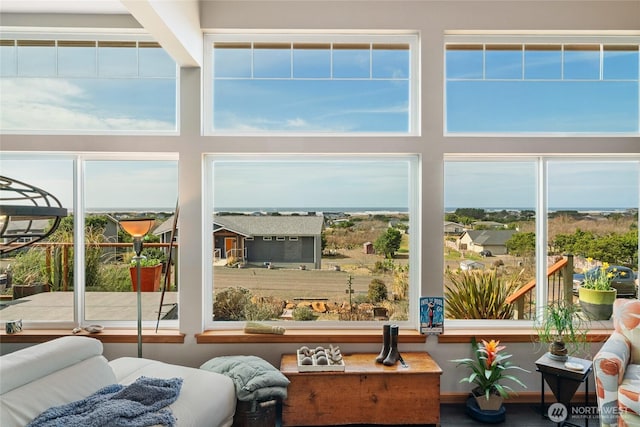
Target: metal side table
564 382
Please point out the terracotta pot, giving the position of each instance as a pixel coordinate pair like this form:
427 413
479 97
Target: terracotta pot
149 276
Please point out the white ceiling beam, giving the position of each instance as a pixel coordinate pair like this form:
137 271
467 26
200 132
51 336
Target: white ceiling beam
175 24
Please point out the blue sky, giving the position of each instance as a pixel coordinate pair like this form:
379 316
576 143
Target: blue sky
583 184
329 184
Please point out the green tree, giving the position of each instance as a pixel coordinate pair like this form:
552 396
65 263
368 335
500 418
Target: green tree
522 244
451 217
474 213
388 243
377 291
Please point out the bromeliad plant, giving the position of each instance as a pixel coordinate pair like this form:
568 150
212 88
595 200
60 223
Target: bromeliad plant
488 369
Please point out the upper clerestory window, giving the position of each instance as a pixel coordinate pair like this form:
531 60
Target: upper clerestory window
305 84
537 86
86 85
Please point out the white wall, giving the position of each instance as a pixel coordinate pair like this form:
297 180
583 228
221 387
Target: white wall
431 19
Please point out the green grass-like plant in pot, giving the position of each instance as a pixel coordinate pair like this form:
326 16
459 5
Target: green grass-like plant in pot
563 329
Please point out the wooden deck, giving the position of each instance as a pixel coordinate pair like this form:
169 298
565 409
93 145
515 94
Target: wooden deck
99 306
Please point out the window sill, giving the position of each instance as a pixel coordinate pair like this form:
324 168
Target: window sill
164 336
511 336
331 336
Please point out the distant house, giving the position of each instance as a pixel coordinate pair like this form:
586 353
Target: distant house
451 227
491 240
278 239
281 239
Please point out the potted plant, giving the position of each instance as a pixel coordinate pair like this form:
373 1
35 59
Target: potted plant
489 366
596 293
150 274
562 328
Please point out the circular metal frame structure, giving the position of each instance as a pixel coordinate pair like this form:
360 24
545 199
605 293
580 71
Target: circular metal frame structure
28 214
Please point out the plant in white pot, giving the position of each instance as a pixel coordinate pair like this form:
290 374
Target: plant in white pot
489 368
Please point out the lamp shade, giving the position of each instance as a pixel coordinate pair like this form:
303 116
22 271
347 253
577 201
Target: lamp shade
137 227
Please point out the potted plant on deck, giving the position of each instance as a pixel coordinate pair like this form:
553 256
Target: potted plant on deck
150 274
489 368
596 293
562 328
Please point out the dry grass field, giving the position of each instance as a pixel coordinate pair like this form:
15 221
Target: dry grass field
291 284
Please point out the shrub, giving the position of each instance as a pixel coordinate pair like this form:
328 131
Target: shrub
154 253
230 304
114 278
478 294
401 283
263 309
304 313
377 291
29 267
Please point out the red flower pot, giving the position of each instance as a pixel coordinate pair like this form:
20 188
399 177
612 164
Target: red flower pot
149 276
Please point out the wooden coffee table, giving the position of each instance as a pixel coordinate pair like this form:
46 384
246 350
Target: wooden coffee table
365 393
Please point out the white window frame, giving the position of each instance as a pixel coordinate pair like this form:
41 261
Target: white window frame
415 242
407 37
463 37
79 160
75 35
541 234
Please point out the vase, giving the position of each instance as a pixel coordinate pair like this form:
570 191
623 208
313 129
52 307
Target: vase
493 403
597 304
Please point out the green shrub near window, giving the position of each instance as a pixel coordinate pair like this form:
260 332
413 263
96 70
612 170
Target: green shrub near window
480 294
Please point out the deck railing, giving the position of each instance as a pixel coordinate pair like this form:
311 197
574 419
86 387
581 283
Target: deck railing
559 288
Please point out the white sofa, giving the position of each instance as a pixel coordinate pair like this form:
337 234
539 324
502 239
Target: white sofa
71 368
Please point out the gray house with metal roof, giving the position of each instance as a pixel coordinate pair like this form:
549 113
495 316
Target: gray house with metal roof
280 239
284 240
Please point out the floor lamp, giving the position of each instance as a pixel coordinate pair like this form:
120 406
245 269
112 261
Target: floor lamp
138 228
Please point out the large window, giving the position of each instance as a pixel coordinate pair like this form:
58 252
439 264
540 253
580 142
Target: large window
497 263
84 85
314 238
543 86
306 84
81 274
490 205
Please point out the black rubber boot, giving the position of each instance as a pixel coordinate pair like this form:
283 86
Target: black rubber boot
394 354
386 343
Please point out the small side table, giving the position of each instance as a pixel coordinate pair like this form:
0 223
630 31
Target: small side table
563 382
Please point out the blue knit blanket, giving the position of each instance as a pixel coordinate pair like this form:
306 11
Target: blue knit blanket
136 405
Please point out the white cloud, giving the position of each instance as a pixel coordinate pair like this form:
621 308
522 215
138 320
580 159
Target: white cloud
42 103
